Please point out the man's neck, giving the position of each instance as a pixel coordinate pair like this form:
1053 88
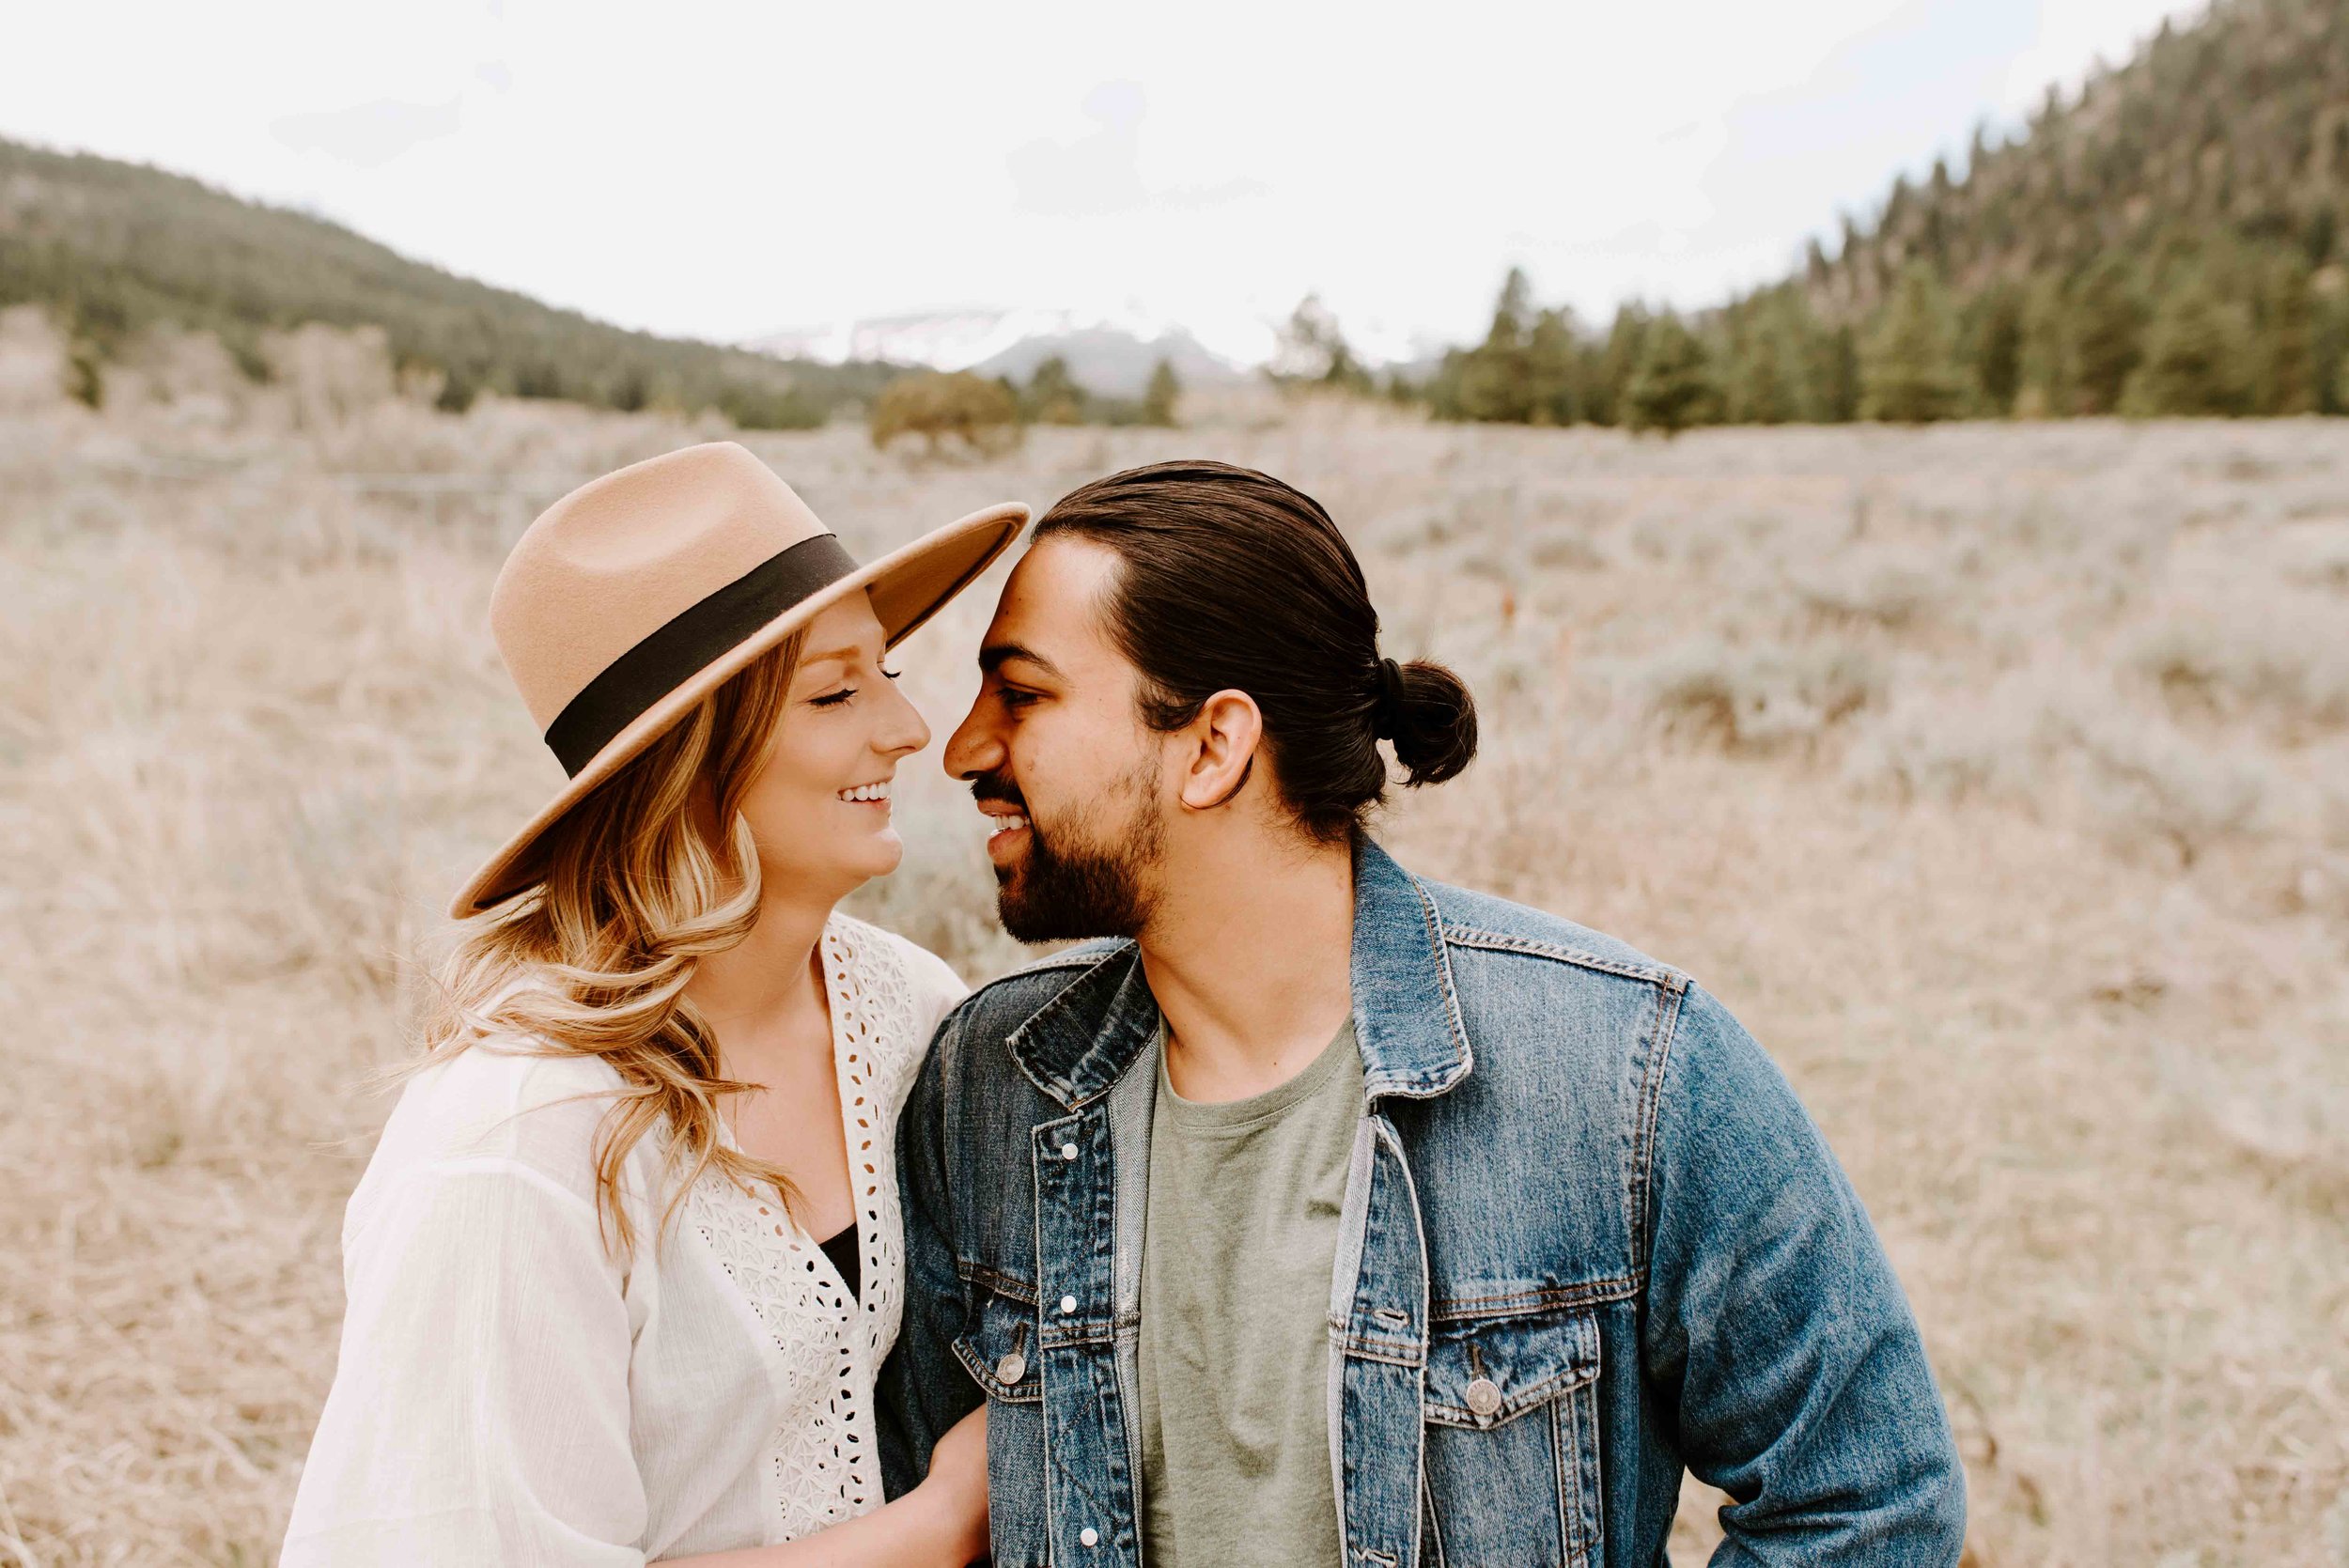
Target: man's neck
1248 953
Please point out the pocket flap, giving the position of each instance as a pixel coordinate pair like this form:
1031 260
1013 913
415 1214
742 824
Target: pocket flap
1488 1372
1000 1351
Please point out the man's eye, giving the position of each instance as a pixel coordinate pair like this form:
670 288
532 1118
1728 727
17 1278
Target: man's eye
1013 697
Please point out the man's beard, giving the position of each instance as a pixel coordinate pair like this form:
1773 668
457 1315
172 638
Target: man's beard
1088 879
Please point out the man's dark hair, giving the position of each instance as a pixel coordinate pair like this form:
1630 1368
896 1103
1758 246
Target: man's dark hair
1232 581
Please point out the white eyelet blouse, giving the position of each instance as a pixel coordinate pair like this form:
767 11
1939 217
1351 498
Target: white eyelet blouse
510 1394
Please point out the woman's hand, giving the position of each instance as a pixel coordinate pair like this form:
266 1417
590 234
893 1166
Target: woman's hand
956 1484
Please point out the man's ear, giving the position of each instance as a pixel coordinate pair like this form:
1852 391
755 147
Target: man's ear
1220 749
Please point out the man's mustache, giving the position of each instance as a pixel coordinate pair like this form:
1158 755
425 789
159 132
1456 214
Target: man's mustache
994 786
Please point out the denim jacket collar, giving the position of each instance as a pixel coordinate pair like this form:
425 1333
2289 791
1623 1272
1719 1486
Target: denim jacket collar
1406 1015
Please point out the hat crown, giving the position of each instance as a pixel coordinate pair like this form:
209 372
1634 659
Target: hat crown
623 555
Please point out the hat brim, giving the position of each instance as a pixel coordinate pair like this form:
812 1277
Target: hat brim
907 586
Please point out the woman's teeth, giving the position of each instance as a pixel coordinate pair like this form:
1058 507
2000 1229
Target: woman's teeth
866 792
1007 825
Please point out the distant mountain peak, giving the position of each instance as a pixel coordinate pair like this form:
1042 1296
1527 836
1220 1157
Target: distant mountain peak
1112 355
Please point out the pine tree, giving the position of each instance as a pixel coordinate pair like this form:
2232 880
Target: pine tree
1052 395
2043 368
2329 339
1834 374
2106 314
1994 344
1672 388
1910 370
1313 349
2195 356
1495 379
2287 339
1513 312
1158 399
1552 369
1756 387
1618 360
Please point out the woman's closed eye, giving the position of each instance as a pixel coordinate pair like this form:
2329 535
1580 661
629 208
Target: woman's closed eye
833 699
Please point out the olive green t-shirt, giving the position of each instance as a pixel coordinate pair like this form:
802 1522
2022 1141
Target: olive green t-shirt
1238 1243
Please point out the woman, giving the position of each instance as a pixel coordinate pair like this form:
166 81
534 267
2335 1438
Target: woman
626 1259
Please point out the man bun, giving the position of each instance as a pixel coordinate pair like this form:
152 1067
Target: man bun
1431 720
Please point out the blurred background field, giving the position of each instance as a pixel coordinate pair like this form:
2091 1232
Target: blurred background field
1996 775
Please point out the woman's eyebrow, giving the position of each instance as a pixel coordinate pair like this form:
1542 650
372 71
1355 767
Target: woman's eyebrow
831 655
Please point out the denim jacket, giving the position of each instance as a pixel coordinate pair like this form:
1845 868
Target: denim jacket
1589 1237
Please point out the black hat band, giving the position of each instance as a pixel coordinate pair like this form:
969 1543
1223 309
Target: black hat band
688 643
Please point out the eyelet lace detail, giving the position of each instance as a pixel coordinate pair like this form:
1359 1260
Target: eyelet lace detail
827 1344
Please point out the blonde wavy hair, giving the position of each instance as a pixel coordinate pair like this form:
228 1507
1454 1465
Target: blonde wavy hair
641 883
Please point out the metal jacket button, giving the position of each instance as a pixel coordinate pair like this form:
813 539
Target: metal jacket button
1089 1536
1012 1368
1484 1397
1068 1151
1068 1305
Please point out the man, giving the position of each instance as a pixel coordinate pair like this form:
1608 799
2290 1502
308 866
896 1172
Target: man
1322 1214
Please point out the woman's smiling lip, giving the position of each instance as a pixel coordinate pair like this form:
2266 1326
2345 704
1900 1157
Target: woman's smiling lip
874 793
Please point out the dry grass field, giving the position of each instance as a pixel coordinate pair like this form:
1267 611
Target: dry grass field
1997 777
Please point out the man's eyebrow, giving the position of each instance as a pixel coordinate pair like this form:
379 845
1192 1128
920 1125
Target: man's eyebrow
995 655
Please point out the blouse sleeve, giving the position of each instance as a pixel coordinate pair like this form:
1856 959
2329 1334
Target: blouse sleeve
937 989
479 1416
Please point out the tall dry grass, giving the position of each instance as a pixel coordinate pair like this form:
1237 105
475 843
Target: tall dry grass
1997 777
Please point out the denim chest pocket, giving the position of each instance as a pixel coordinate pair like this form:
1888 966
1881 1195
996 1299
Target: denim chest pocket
1512 1413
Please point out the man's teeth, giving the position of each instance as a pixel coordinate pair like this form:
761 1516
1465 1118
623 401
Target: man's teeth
1007 825
866 792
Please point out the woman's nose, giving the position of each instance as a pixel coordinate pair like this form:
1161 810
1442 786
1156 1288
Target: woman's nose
907 731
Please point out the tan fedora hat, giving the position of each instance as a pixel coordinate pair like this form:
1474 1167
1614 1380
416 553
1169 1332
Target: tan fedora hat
635 595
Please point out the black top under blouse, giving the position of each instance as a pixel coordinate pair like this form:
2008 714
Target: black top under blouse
842 1250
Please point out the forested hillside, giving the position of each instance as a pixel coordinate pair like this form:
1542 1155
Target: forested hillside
114 249
2170 242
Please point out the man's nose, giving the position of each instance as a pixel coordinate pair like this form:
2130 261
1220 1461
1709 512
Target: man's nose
973 748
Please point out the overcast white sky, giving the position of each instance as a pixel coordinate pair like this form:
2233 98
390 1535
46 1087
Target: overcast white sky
722 170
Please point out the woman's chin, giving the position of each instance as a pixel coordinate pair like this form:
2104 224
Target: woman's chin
876 854
881 854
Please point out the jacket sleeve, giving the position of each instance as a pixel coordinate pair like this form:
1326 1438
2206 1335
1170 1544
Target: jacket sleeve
1773 1328
922 1389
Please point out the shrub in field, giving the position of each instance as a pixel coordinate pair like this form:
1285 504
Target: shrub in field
2269 651
1755 698
981 413
1879 592
2147 778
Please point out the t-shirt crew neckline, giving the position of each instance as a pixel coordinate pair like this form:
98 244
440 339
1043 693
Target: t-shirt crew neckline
1221 1116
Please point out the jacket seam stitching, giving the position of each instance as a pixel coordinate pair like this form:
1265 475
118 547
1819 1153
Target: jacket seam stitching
1496 941
1527 1303
1663 1030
